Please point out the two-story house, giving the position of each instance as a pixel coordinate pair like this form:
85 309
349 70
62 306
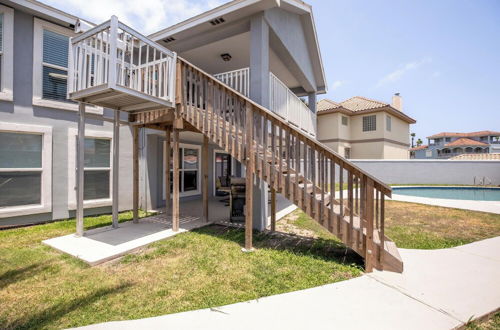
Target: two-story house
446 145
361 128
100 118
266 50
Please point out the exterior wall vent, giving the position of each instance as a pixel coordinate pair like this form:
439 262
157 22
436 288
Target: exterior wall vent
169 39
217 21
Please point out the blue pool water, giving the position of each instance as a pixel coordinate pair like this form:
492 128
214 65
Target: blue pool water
463 193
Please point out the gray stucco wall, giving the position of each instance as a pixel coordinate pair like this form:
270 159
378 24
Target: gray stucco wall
431 171
289 30
21 111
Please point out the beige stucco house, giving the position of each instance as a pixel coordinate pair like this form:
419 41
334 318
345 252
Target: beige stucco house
361 128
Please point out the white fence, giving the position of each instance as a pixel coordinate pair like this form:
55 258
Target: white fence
113 54
282 100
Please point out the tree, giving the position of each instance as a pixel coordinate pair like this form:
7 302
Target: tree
419 142
412 139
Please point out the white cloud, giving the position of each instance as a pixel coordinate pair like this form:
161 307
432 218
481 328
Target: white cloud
337 84
399 73
146 16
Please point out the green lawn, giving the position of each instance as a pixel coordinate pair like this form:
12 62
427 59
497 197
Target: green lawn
42 288
415 226
491 324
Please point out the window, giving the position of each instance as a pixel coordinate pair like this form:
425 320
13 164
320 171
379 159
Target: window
369 123
189 169
447 139
25 169
97 171
347 153
345 121
388 123
6 53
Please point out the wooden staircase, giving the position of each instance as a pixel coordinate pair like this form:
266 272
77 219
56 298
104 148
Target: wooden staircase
337 194
114 66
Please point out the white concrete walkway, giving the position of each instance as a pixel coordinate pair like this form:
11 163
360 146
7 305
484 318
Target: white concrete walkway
439 289
481 206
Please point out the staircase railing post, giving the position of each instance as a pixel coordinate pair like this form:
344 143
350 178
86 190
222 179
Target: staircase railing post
369 217
250 163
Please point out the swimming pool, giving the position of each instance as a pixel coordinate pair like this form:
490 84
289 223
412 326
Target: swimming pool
462 193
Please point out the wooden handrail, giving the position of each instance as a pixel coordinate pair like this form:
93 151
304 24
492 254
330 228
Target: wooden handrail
347 164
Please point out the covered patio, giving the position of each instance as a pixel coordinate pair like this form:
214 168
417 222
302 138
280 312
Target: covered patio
107 243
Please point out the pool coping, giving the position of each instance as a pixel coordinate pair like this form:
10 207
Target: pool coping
481 206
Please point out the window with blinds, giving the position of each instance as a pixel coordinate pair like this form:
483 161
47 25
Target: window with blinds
369 123
54 66
20 169
97 169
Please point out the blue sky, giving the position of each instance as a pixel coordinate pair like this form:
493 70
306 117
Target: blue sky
442 56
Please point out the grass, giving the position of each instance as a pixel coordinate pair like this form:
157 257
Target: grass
417 226
42 288
491 324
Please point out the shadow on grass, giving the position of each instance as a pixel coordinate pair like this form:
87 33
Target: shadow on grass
315 247
16 275
53 313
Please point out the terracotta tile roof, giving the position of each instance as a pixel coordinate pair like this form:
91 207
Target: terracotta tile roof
327 104
466 142
419 148
362 105
359 103
476 157
455 134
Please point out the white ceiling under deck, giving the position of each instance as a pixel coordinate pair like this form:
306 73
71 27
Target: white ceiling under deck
208 58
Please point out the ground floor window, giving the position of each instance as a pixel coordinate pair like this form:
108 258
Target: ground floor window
25 159
189 170
97 168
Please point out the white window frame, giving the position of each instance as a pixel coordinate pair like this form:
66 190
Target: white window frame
346 120
368 124
38 100
181 171
7 78
46 170
72 138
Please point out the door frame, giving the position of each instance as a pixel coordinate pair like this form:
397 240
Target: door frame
233 164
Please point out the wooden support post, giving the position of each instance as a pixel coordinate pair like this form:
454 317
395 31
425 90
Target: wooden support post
135 156
249 179
204 173
166 151
116 166
79 169
176 181
369 253
273 209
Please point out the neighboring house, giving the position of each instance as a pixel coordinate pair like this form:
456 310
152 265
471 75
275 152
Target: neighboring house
477 157
446 145
361 128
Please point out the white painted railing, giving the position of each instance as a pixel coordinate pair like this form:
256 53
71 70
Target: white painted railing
282 100
290 107
112 55
237 79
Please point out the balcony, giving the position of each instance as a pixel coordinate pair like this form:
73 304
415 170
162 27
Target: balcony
282 100
115 67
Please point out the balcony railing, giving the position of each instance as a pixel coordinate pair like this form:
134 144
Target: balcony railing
237 79
282 100
114 57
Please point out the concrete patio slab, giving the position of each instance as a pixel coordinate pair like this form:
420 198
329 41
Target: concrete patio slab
439 289
103 244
